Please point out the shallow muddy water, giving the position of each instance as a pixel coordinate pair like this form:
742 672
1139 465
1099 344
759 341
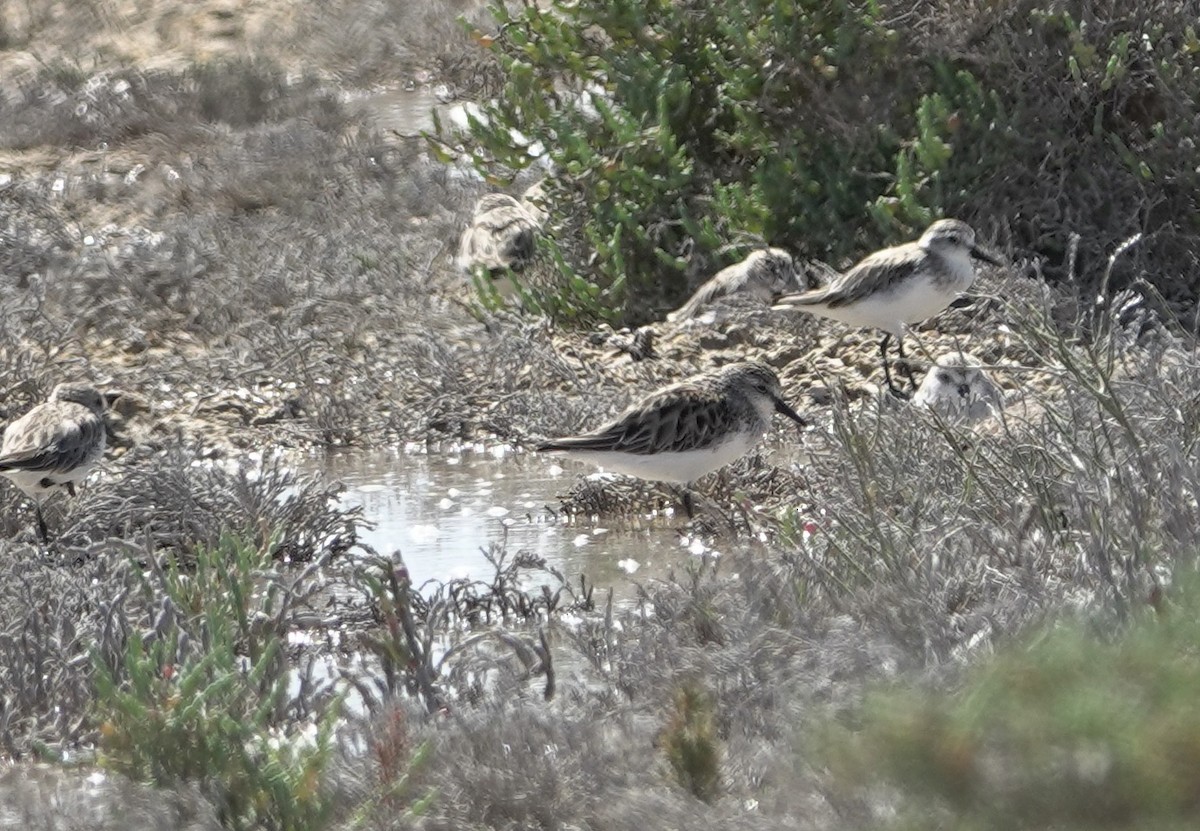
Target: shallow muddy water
442 512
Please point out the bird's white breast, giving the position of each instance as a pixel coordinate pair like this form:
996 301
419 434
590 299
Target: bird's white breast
911 301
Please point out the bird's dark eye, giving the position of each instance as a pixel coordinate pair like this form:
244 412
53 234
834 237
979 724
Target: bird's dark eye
945 378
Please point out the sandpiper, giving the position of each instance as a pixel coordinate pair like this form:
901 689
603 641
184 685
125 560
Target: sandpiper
502 235
764 275
687 429
54 445
900 285
959 390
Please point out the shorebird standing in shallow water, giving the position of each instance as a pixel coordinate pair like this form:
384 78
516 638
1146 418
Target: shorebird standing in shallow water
687 429
502 235
959 390
764 275
900 285
54 445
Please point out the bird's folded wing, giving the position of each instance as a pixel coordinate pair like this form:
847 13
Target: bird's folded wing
663 423
51 446
703 296
873 275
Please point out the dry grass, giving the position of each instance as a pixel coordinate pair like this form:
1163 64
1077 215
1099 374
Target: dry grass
251 264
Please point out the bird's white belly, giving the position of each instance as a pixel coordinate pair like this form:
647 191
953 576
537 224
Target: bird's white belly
682 468
31 482
921 300
891 311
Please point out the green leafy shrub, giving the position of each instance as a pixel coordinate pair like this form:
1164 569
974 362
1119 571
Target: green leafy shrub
203 696
683 133
682 127
1074 730
1058 119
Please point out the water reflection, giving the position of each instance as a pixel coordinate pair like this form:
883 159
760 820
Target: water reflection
440 512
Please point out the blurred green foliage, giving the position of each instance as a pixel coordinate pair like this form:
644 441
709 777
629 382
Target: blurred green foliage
684 132
1075 729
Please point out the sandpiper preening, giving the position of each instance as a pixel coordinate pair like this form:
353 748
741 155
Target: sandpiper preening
55 445
502 235
687 429
900 285
764 275
959 390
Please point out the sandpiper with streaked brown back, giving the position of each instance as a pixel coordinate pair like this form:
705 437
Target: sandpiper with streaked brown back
897 286
685 430
502 235
763 276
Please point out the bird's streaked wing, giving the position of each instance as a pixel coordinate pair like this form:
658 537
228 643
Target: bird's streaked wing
49 440
872 275
665 422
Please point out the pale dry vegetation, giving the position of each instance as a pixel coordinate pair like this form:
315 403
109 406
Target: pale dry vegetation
226 242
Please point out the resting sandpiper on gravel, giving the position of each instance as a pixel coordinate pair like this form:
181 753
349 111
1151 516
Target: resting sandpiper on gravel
54 445
959 390
900 285
685 430
502 235
764 275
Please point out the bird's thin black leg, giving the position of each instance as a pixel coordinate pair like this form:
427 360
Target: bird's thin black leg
887 372
689 504
905 367
685 496
42 532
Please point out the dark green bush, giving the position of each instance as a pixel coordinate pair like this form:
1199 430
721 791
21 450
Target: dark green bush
681 127
1053 119
683 133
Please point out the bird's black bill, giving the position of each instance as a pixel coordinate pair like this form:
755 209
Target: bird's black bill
986 256
782 408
